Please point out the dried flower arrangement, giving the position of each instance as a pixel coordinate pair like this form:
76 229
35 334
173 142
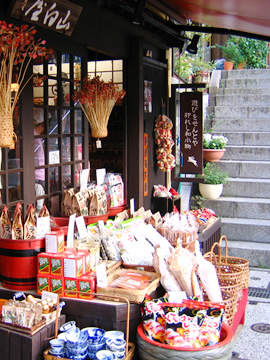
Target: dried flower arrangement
97 100
17 48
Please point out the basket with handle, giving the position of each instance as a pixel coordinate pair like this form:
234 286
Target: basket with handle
226 271
229 300
236 261
130 347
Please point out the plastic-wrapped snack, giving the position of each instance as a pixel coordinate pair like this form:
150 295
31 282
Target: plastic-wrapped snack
110 248
183 322
5 229
17 224
44 211
153 318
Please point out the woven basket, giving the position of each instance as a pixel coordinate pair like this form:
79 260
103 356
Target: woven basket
99 132
236 261
6 131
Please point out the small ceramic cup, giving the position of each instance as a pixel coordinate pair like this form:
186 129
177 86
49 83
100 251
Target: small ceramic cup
118 345
57 345
105 355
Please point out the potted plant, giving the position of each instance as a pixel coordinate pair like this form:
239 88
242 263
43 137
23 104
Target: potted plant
232 54
213 147
201 69
214 179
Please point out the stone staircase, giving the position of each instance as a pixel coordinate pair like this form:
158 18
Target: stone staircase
241 108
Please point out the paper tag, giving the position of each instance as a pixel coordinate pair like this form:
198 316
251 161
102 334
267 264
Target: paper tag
84 179
100 176
54 157
98 144
132 206
81 227
101 225
101 275
43 226
70 234
46 294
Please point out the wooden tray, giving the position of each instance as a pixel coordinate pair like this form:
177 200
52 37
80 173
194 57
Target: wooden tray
134 296
21 329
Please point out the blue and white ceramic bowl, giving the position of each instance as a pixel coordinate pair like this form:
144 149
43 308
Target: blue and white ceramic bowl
76 339
57 346
95 335
105 355
116 345
71 325
96 347
115 334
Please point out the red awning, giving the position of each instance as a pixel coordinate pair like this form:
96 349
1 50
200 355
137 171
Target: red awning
242 15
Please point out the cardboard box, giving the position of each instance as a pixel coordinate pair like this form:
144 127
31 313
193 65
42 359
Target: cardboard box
86 260
57 285
86 285
73 266
43 263
57 264
70 285
43 283
55 241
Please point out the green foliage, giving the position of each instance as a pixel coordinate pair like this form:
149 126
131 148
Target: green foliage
211 141
250 52
198 202
213 175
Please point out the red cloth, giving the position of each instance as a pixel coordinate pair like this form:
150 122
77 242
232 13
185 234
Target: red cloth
239 317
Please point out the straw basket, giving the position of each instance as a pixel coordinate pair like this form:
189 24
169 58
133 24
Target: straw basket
236 261
130 348
6 130
225 272
99 132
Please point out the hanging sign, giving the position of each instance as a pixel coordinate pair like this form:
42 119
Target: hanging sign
56 15
191 133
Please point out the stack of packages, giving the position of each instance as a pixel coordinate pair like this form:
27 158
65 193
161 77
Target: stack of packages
66 271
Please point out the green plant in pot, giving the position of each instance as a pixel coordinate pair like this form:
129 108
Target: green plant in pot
214 179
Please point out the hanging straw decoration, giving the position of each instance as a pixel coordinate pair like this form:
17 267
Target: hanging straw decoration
17 48
97 100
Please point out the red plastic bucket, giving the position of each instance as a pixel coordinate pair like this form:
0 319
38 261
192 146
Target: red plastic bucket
18 263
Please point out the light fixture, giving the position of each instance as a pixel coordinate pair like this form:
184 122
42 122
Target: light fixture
192 48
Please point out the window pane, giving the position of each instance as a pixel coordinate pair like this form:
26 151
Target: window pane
52 92
104 65
39 144
77 68
117 65
66 93
14 186
78 122
66 176
65 66
78 148
66 121
53 144
53 120
78 168
52 67
54 179
14 159
66 149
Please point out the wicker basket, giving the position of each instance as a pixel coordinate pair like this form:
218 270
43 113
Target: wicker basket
6 131
236 261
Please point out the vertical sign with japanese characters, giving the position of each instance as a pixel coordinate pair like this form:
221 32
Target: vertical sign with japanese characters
191 132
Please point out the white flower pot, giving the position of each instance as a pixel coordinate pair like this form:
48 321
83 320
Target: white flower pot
210 191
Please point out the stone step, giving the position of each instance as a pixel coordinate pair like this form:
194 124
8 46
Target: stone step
249 100
247 187
240 207
246 169
246 138
246 73
244 83
251 230
222 123
256 253
247 112
259 153
244 91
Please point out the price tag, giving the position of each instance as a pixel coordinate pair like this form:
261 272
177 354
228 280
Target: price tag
81 227
101 275
132 206
43 226
54 157
98 144
100 176
70 234
84 179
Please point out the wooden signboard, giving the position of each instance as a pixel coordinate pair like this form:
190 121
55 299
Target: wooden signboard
56 15
191 133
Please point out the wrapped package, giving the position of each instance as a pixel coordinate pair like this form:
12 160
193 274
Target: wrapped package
98 203
44 211
5 224
17 224
115 189
30 225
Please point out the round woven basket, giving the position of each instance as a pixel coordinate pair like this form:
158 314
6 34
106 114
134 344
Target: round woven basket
242 263
152 350
99 132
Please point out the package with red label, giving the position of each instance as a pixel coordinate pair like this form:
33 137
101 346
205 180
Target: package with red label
30 225
5 230
57 285
86 260
56 264
43 263
43 283
17 224
73 266
115 189
70 287
86 285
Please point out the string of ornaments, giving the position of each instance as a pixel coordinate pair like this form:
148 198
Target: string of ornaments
164 141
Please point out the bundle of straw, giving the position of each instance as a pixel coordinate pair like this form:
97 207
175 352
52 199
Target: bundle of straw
17 48
97 100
